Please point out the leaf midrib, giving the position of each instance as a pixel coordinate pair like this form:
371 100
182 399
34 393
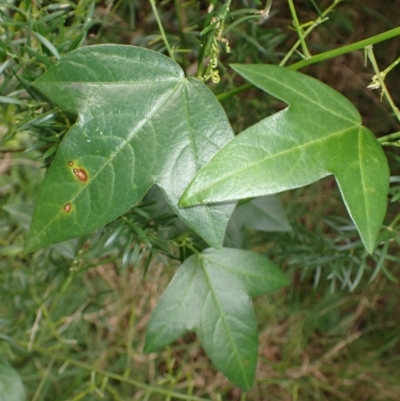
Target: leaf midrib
365 198
240 272
260 161
309 100
222 316
113 155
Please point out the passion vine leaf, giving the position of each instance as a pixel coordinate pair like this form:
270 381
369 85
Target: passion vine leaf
261 214
211 295
320 133
140 122
11 386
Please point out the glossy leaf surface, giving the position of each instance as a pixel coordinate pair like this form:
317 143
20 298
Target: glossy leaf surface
211 295
320 133
11 386
140 122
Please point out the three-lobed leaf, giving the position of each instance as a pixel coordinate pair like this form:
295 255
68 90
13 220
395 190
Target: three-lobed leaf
320 133
211 295
140 122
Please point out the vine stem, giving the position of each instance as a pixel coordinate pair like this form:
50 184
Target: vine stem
390 137
161 28
380 77
299 30
391 66
322 57
347 49
322 18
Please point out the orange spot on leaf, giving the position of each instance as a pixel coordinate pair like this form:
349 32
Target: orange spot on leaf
80 174
67 207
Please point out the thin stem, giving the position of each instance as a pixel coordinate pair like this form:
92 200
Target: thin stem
395 144
189 245
107 17
297 44
234 91
346 49
179 18
317 22
389 137
391 66
322 57
381 81
393 223
162 32
299 30
203 42
44 379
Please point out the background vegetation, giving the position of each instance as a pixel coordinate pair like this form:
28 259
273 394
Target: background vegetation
73 315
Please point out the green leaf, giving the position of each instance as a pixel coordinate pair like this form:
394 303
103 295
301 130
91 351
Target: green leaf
210 294
140 122
11 386
262 214
320 133
21 212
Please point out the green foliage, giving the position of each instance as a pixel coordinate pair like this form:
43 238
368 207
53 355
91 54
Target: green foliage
139 124
11 386
210 294
320 133
118 148
88 298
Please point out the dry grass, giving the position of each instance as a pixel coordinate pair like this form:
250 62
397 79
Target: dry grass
312 346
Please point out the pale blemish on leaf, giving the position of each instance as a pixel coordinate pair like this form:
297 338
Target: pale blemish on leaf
80 174
67 207
70 164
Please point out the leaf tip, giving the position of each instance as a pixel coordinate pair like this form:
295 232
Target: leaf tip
31 244
246 386
147 348
151 344
369 245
